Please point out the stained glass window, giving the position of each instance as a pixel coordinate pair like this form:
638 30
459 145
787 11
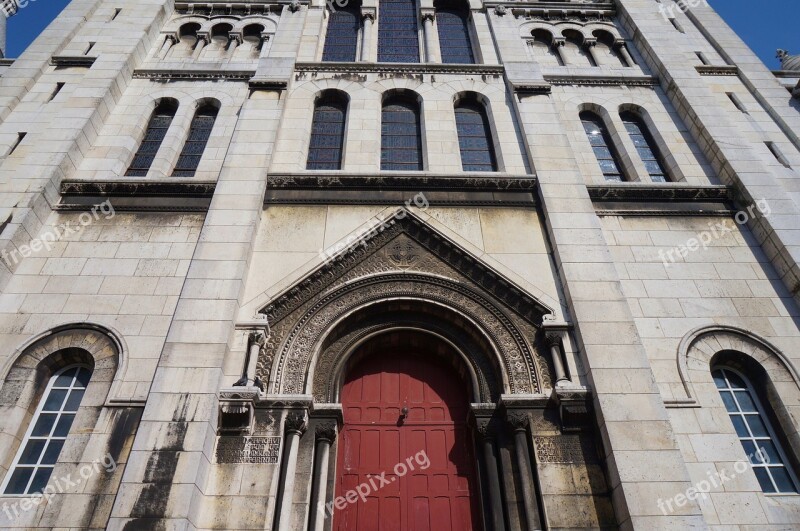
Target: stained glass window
474 138
454 40
398 41
602 146
645 146
153 137
327 135
401 139
341 39
199 132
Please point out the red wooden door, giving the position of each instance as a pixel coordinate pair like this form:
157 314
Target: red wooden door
432 489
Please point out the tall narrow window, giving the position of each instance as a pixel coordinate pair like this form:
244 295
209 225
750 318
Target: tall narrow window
327 134
199 132
754 431
341 40
474 137
398 41
38 453
645 146
401 137
153 137
452 19
602 146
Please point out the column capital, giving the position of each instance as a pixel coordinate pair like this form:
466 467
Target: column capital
590 43
427 14
518 420
368 13
325 431
171 36
295 423
559 41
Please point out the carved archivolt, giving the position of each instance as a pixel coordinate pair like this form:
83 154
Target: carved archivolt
486 317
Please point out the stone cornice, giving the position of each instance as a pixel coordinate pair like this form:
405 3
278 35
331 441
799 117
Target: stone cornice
717 70
659 192
400 68
154 74
400 181
241 7
602 80
72 60
137 196
589 11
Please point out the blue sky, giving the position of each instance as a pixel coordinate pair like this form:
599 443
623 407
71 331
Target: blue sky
765 26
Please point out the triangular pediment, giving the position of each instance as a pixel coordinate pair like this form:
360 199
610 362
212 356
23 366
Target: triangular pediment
403 242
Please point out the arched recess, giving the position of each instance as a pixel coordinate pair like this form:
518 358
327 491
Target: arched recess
698 349
26 373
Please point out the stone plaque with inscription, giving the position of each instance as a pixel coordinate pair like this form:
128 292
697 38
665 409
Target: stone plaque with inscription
252 450
563 449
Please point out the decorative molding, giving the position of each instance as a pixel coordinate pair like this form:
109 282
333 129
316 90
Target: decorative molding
659 192
401 181
603 80
399 68
72 60
717 70
553 11
220 8
268 84
166 75
137 196
533 89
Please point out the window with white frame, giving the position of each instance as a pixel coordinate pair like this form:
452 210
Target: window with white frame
755 432
39 451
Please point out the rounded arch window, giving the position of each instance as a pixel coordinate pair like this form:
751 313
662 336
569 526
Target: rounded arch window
37 455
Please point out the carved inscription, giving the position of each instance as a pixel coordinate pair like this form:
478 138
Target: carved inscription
563 449
249 450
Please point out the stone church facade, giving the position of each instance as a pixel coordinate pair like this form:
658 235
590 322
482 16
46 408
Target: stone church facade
398 264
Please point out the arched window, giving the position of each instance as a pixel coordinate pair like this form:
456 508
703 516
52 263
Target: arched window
199 132
754 431
156 131
398 41
452 20
602 146
187 40
574 52
401 135
341 39
327 133
645 146
606 50
38 453
474 137
543 50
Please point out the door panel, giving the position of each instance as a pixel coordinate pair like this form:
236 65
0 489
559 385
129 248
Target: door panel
374 440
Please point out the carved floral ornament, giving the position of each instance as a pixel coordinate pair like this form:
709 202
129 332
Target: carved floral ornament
408 262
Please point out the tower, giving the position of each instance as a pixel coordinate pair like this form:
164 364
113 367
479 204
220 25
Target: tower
397 264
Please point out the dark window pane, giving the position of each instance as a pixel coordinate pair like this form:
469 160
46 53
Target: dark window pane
745 401
40 480
782 479
55 400
767 453
739 424
199 133
601 144
51 453
727 398
33 449
65 378
454 40
44 425
19 480
64 423
74 400
763 480
156 131
398 41
474 138
757 426
327 136
719 380
645 145
401 139
735 380
341 38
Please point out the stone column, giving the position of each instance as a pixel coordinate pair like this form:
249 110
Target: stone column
555 343
368 18
169 41
557 44
589 45
325 434
519 424
294 426
428 16
202 41
487 442
622 50
235 39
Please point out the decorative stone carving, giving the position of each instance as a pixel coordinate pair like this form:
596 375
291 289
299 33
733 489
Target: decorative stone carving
295 423
326 431
248 450
518 420
485 428
789 62
500 10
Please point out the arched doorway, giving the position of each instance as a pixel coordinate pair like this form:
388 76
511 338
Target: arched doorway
405 447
